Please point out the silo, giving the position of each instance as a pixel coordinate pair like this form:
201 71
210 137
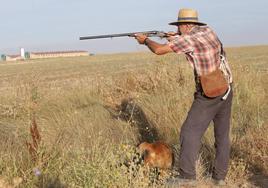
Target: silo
22 53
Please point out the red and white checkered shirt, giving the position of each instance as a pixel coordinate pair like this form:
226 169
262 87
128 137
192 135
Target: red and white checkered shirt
201 47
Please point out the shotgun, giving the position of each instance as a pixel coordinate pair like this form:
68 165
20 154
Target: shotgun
160 34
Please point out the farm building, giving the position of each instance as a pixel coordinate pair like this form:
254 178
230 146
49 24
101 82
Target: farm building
11 57
14 57
39 55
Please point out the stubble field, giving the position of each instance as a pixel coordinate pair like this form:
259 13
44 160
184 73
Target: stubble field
91 112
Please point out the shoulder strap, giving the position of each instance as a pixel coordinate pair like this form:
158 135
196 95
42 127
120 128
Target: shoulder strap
222 51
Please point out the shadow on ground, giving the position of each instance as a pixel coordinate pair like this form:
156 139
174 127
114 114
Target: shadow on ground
49 182
131 112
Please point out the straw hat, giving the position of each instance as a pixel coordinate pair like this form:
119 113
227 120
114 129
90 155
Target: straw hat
187 16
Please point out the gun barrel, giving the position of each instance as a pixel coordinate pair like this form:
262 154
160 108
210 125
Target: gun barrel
149 33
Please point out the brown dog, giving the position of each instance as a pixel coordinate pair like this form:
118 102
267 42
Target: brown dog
157 154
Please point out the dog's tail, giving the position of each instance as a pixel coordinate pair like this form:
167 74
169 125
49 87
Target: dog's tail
145 147
146 150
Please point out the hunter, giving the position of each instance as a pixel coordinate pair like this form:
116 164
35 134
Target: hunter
212 98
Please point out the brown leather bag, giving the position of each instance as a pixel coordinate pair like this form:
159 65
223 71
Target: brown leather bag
214 84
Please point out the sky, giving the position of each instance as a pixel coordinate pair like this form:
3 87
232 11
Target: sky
56 25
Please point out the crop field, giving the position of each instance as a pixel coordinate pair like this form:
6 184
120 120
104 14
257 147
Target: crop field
76 122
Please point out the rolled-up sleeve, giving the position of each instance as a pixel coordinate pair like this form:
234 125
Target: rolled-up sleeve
180 44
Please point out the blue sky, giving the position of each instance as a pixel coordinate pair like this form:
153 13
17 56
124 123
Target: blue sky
55 25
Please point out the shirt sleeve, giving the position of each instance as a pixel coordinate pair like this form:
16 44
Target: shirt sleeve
180 45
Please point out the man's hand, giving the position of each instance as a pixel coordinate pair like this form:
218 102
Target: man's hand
155 47
140 38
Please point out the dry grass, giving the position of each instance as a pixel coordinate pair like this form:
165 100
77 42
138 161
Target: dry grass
91 113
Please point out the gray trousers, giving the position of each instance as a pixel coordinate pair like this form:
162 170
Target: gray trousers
202 112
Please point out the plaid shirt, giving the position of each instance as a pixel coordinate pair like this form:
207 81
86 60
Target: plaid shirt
201 47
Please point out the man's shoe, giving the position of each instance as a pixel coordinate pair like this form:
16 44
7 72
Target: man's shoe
180 181
219 182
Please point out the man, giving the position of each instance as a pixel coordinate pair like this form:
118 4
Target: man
203 51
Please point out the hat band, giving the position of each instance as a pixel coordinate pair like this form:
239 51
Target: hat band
188 18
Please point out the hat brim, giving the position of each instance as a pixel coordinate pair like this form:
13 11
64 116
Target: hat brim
186 21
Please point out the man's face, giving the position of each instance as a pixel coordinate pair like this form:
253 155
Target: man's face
184 28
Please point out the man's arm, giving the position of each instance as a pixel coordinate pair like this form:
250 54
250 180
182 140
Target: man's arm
155 47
